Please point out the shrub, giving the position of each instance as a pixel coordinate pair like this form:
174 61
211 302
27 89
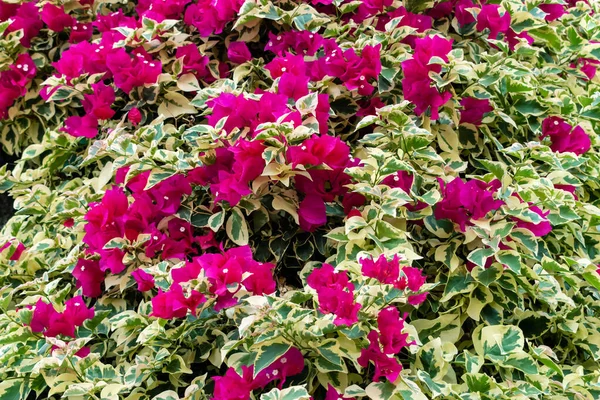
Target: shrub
280 200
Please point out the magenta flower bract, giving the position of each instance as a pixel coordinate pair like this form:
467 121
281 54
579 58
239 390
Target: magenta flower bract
52 323
384 270
145 281
474 110
232 386
489 17
56 18
18 250
289 364
89 277
385 366
335 294
564 137
86 126
238 52
553 11
466 201
541 228
98 104
390 328
417 85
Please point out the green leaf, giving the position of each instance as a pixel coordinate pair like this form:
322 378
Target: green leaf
14 389
291 393
216 220
267 354
236 227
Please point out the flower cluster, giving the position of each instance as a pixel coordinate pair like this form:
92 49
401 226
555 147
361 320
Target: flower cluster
14 82
384 344
335 294
464 202
115 218
389 272
232 386
227 273
52 323
417 83
564 137
324 184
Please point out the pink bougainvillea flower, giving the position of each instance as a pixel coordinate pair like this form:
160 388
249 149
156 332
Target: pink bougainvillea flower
553 11
238 52
312 213
325 276
232 386
167 195
176 304
111 260
514 39
301 42
261 281
568 188
466 201
335 294
461 11
339 303
13 82
417 84
417 299
86 126
51 323
564 137
26 18
318 150
81 32
133 70
384 270
77 311
489 17
385 366
193 62
211 17
89 277
541 228
589 66
290 364
16 255
390 328
98 104
412 278
333 394
134 116
56 18
474 110
105 219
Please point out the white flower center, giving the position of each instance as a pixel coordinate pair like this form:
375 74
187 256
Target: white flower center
77 304
303 147
283 360
225 270
166 197
275 373
182 229
155 237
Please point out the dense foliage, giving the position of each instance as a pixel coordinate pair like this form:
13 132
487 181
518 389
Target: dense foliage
290 199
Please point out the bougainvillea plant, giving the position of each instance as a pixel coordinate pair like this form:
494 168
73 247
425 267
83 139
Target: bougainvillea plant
286 199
